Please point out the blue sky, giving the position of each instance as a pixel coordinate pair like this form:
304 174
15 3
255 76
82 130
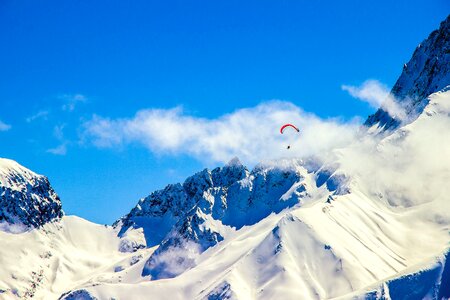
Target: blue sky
67 63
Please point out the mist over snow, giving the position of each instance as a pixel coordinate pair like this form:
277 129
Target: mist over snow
252 134
173 261
409 167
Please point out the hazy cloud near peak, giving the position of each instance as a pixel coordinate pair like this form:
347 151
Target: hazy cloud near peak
252 134
377 95
408 167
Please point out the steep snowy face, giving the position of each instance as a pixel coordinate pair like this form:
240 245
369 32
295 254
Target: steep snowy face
26 198
427 72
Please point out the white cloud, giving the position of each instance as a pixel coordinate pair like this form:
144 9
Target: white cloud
42 114
4 126
60 150
252 134
377 95
71 101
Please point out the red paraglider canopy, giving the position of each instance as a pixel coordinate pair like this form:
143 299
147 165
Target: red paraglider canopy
288 125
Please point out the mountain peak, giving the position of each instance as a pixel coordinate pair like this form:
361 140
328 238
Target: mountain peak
26 198
11 171
427 72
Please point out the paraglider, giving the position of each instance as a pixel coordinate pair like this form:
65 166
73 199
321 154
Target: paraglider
283 128
288 125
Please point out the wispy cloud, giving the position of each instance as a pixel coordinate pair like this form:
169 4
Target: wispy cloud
251 133
377 95
60 150
42 114
71 101
4 126
58 133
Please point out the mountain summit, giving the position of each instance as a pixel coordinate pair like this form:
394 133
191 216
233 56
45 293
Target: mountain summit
428 71
26 198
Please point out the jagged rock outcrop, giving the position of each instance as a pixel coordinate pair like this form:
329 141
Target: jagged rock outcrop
26 198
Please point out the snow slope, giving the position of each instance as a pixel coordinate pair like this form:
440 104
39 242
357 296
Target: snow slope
44 263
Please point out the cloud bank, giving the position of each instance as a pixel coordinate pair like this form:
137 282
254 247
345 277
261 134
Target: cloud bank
252 134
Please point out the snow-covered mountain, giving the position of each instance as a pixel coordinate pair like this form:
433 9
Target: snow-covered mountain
26 199
368 221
